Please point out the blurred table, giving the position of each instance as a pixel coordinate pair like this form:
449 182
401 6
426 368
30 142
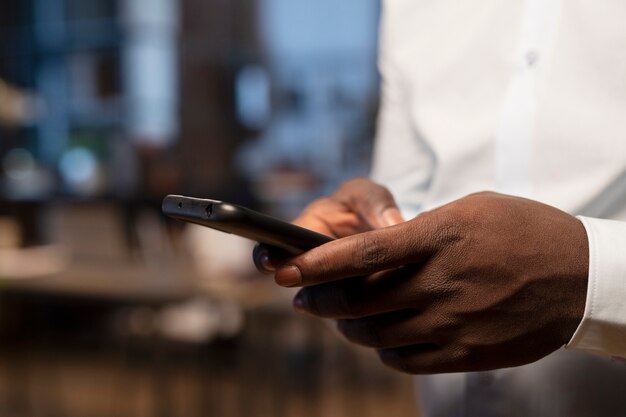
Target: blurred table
131 282
84 340
90 255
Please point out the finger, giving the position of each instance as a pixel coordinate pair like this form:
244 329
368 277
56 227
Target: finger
361 297
331 217
266 258
359 255
445 358
434 359
385 331
373 202
416 359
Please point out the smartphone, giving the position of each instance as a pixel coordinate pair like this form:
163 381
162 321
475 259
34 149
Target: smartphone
244 222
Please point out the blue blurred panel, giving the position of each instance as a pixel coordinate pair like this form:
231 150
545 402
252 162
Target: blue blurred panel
297 27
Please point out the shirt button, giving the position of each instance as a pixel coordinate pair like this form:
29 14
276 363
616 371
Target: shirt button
531 58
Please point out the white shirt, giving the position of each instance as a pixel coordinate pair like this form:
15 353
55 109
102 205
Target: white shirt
526 98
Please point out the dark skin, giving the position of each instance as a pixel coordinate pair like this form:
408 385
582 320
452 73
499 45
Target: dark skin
487 281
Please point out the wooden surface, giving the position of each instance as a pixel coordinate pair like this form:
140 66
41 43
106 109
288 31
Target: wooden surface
71 344
281 365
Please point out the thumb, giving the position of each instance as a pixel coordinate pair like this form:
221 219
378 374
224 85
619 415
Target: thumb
372 202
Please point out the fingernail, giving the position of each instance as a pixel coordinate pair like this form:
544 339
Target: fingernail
264 260
261 258
288 276
299 304
392 216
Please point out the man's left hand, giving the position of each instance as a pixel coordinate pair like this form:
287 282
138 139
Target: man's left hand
487 281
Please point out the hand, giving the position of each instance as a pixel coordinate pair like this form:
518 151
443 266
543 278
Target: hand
359 205
488 281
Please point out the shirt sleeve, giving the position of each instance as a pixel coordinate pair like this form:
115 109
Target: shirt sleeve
402 161
603 327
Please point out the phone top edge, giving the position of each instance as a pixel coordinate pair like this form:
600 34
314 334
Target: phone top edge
231 218
182 198
194 209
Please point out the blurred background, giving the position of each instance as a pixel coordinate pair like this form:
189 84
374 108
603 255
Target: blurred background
106 307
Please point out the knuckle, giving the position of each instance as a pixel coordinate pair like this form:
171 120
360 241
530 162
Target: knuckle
460 354
358 182
438 229
386 197
450 231
376 194
448 326
437 285
370 252
364 187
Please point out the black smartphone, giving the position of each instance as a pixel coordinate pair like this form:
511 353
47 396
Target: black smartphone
244 222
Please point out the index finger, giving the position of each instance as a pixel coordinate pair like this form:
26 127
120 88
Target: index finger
360 254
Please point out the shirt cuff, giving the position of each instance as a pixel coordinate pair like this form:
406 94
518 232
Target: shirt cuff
603 327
